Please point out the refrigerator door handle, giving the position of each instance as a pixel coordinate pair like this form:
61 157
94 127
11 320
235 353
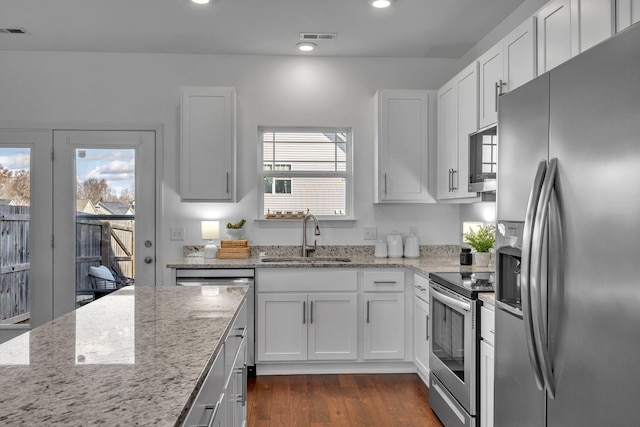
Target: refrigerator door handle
525 275
539 322
556 270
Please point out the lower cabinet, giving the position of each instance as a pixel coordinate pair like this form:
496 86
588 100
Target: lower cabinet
487 358
307 326
221 401
421 335
384 325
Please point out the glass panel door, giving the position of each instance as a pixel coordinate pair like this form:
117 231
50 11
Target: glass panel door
25 230
104 188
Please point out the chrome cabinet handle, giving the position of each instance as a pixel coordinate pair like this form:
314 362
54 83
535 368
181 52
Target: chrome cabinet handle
427 337
385 183
450 180
311 313
304 312
367 311
537 252
454 184
525 274
227 182
384 282
499 85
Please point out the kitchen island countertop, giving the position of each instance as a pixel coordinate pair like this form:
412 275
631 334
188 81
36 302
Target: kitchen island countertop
134 357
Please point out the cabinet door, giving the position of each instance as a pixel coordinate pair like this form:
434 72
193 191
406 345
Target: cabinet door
554 34
403 146
486 384
519 49
467 100
491 84
207 144
421 335
333 326
384 326
627 13
282 327
447 139
593 21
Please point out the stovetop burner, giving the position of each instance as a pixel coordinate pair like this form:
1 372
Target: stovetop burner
467 284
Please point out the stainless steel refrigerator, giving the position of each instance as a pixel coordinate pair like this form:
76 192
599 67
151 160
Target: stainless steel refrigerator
568 260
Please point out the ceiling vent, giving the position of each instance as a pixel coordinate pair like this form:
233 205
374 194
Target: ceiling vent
13 30
317 36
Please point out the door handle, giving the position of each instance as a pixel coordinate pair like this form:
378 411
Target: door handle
385 183
539 322
454 184
525 275
148 260
499 85
427 337
367 311
304 312
311 313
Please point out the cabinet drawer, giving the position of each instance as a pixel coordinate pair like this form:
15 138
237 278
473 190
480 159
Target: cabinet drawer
487 325
387 281
307 280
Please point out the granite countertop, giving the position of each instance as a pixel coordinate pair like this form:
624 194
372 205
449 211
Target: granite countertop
134 357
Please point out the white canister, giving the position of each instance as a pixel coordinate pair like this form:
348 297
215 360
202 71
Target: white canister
394 245
381 249
411 247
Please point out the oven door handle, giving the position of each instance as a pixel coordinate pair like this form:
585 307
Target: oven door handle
449 300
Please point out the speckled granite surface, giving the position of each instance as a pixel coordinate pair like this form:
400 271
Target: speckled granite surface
134 357
488 299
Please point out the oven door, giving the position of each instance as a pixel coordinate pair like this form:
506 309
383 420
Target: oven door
452 356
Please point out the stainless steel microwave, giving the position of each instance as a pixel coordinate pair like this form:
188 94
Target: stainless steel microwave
483 160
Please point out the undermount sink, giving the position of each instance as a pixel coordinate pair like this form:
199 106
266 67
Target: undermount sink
299 259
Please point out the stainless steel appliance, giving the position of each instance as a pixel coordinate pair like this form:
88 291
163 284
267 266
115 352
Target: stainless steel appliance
567 318
453 358
227 277
483 160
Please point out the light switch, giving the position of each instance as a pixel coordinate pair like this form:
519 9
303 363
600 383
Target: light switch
176 233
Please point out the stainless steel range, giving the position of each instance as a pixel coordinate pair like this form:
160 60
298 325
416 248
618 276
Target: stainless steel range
453 357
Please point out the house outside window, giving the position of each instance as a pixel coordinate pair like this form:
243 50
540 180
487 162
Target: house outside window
306 169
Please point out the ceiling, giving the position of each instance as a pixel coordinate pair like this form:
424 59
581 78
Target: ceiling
409 29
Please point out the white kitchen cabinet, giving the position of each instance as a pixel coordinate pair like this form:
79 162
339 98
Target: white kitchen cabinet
208 144
627 13
457 118
301 326
402 133
554 34
506 66
421 335
593 21
384 318
492 83
487 364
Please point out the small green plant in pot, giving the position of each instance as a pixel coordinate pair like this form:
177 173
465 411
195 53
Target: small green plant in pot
481 240
235 230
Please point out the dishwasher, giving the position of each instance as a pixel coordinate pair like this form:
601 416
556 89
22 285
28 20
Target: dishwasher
227 277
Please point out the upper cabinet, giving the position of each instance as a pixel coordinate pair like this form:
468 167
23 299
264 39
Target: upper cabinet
504 67
627 13
457 118
208 144
568 27
402 132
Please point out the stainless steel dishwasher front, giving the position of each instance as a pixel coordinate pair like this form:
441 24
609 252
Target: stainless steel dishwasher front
227 277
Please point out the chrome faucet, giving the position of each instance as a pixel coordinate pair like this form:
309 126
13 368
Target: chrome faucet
308 248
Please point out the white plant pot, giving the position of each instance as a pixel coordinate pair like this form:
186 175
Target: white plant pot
235 233
481 259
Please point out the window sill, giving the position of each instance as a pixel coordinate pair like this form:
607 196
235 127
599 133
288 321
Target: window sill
324 222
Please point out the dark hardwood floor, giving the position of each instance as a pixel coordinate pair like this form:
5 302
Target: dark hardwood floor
379 400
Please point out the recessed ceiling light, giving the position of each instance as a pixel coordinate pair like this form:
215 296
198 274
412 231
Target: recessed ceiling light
306 46
380 4
200 1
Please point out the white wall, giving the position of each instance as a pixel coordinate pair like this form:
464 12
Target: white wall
133 89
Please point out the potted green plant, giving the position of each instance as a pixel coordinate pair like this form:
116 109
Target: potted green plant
235 230
481 240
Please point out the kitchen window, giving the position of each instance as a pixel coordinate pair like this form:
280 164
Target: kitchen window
305 170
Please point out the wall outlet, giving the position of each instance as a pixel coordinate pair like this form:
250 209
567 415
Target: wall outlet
370 233
176 233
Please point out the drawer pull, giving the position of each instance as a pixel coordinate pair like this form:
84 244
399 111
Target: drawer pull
493 331
384 282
